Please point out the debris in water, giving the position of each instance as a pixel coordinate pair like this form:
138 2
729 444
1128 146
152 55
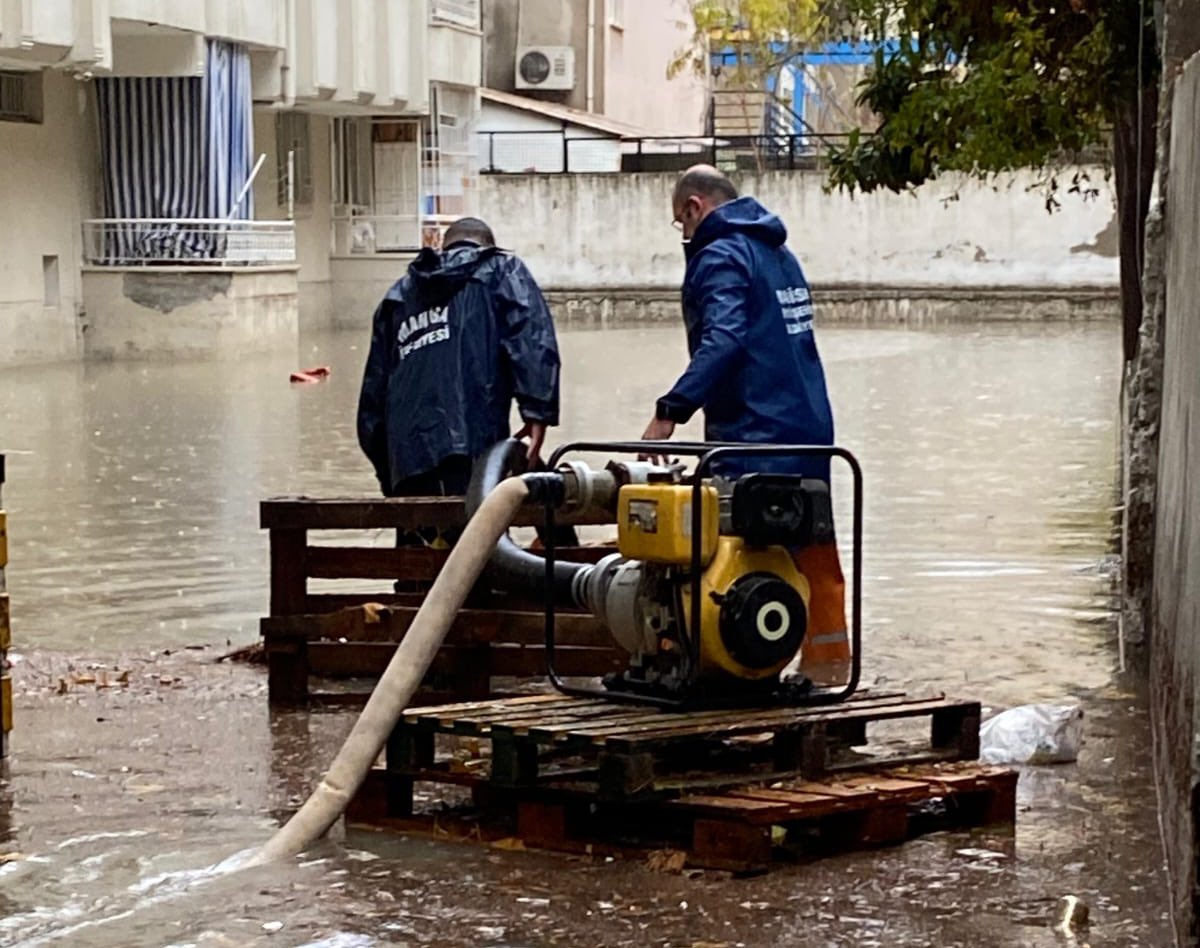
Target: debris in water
253 654
272 926
316 374
1032 734
1071 915
667 860
980 854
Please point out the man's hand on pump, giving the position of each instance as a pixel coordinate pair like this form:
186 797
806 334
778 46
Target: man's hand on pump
659 429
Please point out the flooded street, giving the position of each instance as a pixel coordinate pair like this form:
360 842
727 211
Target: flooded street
990 462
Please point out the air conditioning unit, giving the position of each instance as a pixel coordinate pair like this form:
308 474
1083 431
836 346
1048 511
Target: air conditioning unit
545 67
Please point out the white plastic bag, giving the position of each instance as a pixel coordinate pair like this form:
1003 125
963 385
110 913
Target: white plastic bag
1032 734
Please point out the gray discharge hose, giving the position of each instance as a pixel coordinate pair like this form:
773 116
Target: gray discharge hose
402 677
512 567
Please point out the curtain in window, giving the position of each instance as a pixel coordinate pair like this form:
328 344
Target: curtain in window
174 149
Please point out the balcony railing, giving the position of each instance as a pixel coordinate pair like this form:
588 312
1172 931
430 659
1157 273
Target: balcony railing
459 12
363 233
559 151
133 242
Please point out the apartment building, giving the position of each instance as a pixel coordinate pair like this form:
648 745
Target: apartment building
184 177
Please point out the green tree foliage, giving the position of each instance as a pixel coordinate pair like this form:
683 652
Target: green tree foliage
975 87
982 88
763 34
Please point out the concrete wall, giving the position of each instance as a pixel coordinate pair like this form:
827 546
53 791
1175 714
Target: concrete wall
637 51
1175 639
603 249
313 220
358 284
169 313
45 193
598 231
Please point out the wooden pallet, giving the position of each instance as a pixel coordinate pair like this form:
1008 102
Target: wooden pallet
338 633
629 751
482 644
744 828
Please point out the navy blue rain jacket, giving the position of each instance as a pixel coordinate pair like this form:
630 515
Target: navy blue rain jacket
453 343
754 364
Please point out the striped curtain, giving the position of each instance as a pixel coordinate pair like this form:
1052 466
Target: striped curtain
172 149
227 106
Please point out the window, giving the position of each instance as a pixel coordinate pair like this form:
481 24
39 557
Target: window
451 161
20 96
376 185
616 14
351 165
292 136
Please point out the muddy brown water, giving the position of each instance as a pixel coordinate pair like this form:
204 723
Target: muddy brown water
133 490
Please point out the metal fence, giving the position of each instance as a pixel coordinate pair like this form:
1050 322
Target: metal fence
562 151
124 242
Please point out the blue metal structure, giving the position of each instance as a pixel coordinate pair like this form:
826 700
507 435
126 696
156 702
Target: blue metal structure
796 96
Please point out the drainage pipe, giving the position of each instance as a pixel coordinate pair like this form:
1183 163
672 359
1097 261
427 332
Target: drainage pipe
408 666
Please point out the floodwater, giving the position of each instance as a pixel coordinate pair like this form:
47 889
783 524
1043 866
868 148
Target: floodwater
136 560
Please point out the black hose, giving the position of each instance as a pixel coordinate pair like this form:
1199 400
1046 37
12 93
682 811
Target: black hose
510 566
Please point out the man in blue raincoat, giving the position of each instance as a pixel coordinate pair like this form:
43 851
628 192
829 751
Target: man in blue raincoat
754 368
457 339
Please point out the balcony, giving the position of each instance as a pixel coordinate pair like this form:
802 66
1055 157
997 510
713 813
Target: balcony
454 49
457 12
159 242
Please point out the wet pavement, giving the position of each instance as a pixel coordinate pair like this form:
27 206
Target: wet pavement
139 763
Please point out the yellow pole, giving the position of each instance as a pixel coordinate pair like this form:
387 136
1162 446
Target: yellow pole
6 712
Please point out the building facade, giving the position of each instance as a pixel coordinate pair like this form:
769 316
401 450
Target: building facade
183 177
598 56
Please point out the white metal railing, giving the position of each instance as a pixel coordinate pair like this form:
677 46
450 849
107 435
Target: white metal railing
147 241
458 12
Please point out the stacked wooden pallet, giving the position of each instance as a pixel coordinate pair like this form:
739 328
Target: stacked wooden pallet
729 789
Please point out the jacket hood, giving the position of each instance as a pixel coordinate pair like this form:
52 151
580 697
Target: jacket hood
438 276
741 216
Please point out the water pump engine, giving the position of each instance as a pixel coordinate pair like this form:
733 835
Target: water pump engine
704 591
753 606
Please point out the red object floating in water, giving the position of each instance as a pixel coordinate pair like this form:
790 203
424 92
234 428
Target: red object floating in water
317 374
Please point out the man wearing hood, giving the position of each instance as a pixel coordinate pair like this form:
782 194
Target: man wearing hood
460 336
754 369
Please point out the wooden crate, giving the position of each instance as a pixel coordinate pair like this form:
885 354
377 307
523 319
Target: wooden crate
344 635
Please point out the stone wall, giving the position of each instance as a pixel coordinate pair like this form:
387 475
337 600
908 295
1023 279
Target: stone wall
853 304
1175 612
